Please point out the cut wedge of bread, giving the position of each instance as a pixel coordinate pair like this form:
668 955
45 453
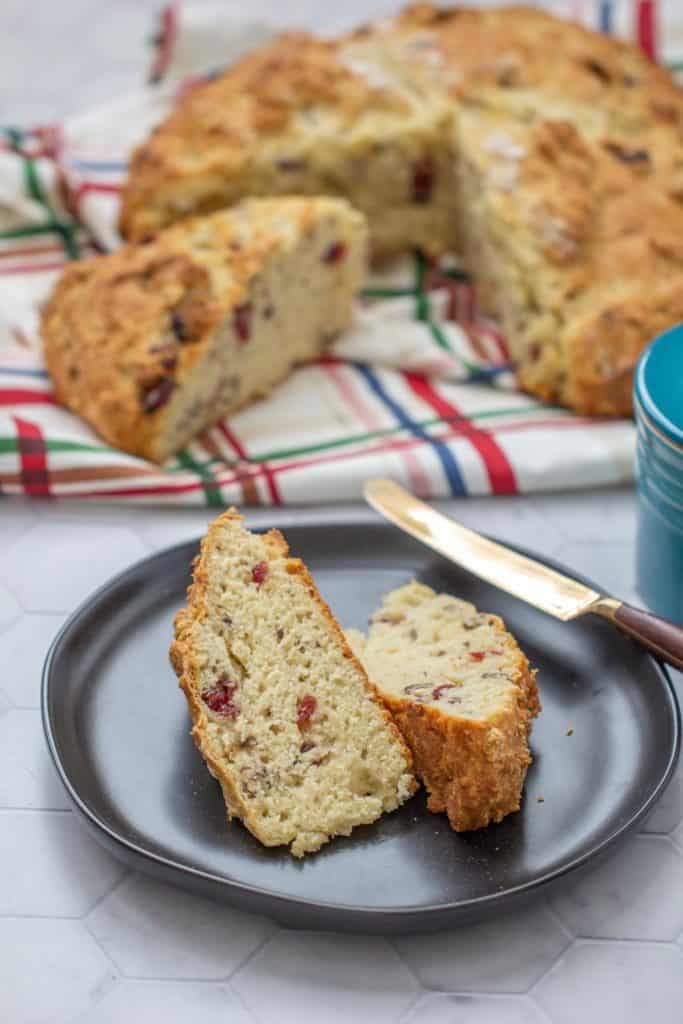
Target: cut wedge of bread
463 696
283 712
154 343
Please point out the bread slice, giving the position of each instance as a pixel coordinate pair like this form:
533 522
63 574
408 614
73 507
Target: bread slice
156 342
463 696
283 713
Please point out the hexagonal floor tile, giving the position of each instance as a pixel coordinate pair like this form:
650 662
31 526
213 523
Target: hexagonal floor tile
629 982
67 562
10 610
173 1002
27 777
23 647
514 519
49 968
504 955
610 564
677 836
627 896
155 931
443 1009
668 811
53 867
171 526
335 978
580 520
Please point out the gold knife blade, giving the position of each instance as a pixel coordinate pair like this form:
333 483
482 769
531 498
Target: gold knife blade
522 577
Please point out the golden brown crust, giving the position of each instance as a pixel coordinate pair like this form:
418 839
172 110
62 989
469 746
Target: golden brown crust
185 664
605 123
473 767
187 669
215 130
474 771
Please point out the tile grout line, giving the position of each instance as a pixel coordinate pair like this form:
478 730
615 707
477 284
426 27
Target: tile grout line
558 921
127 872
250 956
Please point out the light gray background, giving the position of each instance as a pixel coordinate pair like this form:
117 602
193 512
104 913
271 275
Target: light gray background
83 941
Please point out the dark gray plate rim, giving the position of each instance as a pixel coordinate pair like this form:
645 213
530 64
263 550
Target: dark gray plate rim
153 862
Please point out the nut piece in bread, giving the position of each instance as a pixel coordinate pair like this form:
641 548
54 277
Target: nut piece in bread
463 696
282 711
154 343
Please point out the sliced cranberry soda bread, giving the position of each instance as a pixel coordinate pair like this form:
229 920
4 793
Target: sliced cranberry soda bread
157 341
462 694
283 712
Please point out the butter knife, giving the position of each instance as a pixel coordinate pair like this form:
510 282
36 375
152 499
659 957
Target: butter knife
522 577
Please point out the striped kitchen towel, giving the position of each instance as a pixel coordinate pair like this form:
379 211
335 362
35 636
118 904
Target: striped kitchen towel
419 389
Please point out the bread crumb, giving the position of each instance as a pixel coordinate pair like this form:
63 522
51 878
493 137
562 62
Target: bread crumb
570 732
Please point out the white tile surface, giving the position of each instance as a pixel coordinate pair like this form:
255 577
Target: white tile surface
608 564
510 519
23 647
337 978
56 565
9 608
586 521
668 811
506 954
49 971
13 525
154 931
50 866
169 1002
443 1009
624 982
27 777
618 899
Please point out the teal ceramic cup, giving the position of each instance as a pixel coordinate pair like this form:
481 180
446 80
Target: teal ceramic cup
658 404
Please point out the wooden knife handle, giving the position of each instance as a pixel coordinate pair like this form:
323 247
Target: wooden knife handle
662 638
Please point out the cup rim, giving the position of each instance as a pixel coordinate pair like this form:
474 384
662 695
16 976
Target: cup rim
669 432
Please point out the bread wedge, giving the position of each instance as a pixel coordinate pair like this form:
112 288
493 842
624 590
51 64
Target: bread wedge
282 711
462 694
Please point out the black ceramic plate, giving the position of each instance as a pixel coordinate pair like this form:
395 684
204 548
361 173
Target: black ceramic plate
117 728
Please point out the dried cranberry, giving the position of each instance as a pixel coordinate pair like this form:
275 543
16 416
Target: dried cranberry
423 180
241 321
179 327
219 698
335 252
477 655
439 690
157 394
259 573
307 706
